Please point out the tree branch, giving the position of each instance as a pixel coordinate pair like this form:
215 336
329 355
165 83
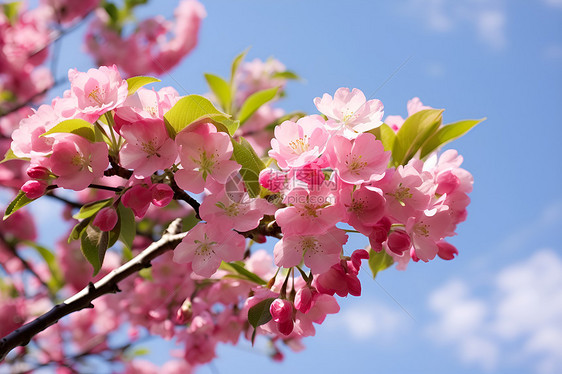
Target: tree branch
83 299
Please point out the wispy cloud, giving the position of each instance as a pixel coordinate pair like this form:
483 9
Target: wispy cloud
486 18
516 321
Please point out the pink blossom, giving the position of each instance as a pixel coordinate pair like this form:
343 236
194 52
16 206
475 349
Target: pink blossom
311 212
365 206
298 144
27 140
342 278
205 158
162 194
399 241
304 298
77 162
98 90
106 219
358 161
353 113
138 198
426 231
273 180
205 246
67 10
220 210
149 148
320 251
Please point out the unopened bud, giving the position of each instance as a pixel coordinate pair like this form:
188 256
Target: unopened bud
281 310
34 188
162 194
399 241
447 251
38 172
303 299
106 219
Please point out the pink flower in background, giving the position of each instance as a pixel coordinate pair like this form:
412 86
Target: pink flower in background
298 144
205 158
76 161
98 90
351 110
320 251
27 140
149 148
205 246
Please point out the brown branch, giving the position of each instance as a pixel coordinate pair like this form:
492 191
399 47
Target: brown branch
180 194
83 299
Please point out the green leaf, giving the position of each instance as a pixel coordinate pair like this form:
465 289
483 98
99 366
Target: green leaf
135 83
386 135
221 89
128 226
234 267
245 155
19 202
235 63
74 126
79 228
415 131
56 282
91 209
259 314
287 74
113 13
94 244
11 11
11 156
448 133
254 102
378 261
194 109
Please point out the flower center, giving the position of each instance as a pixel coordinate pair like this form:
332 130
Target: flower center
96 96
310 244
150 148
401 193
421 229
355 165
300 145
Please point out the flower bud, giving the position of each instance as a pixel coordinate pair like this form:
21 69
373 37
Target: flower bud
303 299
106 219
34 188
162 194
185 312
447 251
272 180
281 310
379 234
286 327
447 182
399 241
38 172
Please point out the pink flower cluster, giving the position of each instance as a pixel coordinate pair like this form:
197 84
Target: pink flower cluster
149 49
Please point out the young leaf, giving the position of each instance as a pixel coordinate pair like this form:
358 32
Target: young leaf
448 133
134 83
415 131
259 314
245 273
194 109
235 63
94 244
245 155
378 261
254 102
386 135
19 202
221 89
74 126
128 226
79 228
11 11
287 74
11 156
91 209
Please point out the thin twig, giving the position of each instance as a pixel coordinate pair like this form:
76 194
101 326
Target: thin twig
83 299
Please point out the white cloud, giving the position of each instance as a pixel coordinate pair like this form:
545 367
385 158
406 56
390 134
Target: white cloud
517 320
486 18
366 321
554 3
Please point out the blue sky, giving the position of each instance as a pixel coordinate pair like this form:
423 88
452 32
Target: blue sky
498 306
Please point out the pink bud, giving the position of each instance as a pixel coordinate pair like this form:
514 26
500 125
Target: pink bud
185 312
286 327
38 172
162 194
277 356
106 219
303 299
34 188
447 251
379 234
137 198
271 179
447 182
399 241
281 310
